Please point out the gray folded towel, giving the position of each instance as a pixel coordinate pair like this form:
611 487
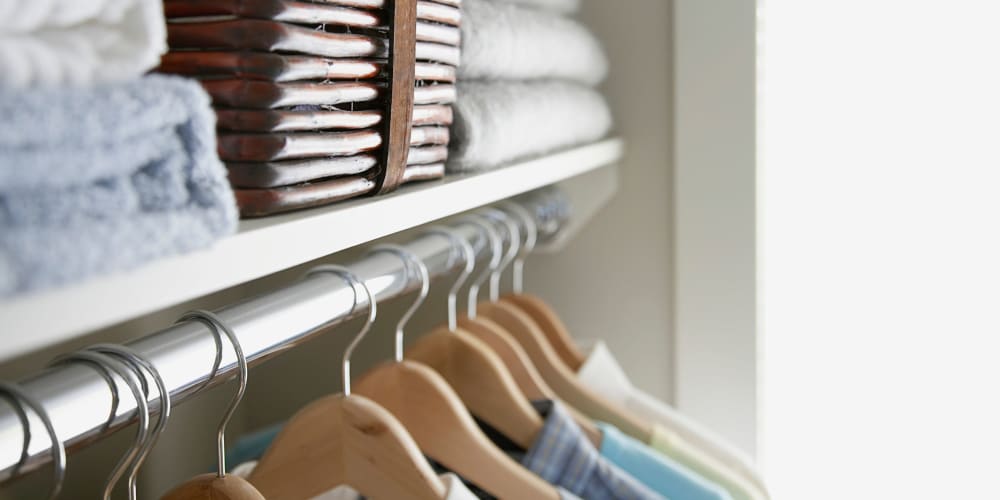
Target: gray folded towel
562 6
105 178
499 122
502 41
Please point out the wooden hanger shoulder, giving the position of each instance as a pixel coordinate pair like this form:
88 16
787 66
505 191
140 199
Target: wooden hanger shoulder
522 369
512 355
440 424
481 380
212 487
338 440
559 376
552 326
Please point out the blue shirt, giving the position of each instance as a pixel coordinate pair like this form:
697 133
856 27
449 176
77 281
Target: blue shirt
661 473
562 456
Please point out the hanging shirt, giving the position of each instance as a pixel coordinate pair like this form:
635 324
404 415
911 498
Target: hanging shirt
563 456
671 445
251 447
456 490
655 470
602 373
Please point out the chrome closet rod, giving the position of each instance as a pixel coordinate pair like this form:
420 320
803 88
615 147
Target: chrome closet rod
79 400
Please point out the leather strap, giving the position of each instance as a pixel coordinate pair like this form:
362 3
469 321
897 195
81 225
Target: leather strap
402 61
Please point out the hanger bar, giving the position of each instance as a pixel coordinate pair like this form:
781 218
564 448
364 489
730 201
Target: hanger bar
79 400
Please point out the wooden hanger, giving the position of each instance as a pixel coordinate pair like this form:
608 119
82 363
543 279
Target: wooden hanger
219 486
493 336
482 382
522 370
345 439
559 376
439 422
547 319
553 369
474 372
551 326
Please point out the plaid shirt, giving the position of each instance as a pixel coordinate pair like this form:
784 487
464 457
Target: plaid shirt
562 456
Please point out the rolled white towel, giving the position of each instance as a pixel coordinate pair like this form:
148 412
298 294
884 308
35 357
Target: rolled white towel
79 42
499 122
505 41
561 6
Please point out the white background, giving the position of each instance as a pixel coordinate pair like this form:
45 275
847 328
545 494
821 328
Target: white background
880 248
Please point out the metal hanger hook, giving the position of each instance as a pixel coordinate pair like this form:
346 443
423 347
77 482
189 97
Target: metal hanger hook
531 239
409 258
138 364
219 328
128 373
469 259
19 399
512 250
493 237
355 282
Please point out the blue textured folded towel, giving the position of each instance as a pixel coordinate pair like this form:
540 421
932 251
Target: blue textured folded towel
105 178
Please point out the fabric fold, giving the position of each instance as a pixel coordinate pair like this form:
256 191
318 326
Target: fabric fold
502 41
79 42
560 6
139 179
675 431
499 122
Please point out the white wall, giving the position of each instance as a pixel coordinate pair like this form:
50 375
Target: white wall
614 280
881 249
715 207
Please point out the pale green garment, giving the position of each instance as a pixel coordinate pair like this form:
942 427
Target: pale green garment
707 466
602 373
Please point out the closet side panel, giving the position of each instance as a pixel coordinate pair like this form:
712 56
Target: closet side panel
613 281
715 214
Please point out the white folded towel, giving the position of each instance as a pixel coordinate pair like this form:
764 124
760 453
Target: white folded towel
499 122
561 6
505 41
79 42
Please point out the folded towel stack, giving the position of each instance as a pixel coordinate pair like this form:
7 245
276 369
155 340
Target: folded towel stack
526 83
51 42
299 92
101 169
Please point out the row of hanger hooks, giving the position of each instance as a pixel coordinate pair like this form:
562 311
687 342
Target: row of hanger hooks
109 360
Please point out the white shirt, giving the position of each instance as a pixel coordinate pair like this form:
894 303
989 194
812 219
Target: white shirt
456 490
602 373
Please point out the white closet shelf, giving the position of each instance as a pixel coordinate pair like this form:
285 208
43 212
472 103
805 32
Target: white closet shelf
268 245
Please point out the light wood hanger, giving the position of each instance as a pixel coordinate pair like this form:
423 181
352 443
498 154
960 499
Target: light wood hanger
560 377
475 372
481 380
219 485
345 439
439 422
523 371
494 337
553 327
430 409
